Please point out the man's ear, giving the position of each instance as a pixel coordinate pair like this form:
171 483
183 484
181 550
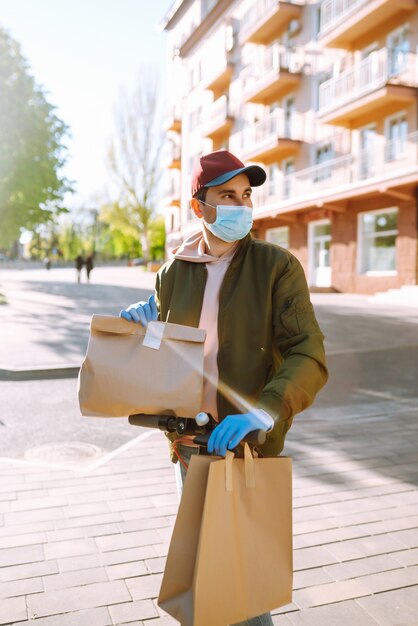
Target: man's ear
195 206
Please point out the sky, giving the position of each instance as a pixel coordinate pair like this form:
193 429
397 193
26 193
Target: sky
82 52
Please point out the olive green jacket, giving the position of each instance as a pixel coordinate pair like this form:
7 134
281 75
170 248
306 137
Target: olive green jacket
270 345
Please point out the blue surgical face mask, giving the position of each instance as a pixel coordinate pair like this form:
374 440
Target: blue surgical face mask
232 222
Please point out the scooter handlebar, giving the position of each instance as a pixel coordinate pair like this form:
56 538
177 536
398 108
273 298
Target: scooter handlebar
169 423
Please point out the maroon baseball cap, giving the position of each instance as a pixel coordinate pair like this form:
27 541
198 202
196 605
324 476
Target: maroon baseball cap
218 167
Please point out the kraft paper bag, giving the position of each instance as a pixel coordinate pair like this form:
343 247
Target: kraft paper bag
131 369
230 556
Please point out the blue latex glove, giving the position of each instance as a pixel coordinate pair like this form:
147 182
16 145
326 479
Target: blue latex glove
141 312
234 428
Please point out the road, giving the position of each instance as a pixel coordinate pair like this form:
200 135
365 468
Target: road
371 351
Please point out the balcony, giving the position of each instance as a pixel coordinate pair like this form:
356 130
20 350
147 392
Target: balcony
273 138
345 21
220 122
172 122
266 19
276 73
219 78
174 158
390 164
385 78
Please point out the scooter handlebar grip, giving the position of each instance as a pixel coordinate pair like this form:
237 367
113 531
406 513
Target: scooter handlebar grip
147 421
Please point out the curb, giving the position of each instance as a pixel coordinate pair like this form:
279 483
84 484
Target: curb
39 372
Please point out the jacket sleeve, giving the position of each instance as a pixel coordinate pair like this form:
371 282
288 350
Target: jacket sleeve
298 341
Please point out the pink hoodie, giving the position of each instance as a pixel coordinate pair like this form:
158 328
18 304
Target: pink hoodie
193 249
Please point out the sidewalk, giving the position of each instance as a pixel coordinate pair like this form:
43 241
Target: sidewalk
86 547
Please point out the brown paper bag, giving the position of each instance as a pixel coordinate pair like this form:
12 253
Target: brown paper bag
130 369
230 556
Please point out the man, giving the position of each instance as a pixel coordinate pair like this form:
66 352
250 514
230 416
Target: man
264 358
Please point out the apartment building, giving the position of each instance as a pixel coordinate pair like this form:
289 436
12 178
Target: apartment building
323 95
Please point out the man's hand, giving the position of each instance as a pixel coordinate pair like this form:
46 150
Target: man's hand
141 312
234 428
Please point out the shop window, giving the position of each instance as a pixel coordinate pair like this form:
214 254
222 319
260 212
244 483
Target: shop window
279 236
377 241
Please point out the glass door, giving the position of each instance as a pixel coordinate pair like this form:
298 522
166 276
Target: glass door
367 151
319 244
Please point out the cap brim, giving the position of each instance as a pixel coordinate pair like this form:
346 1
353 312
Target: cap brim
256 175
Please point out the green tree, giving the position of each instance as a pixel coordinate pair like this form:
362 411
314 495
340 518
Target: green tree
31 148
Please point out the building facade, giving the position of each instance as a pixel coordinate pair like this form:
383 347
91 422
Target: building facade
323 95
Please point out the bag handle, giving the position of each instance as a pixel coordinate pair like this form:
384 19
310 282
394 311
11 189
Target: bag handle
248 465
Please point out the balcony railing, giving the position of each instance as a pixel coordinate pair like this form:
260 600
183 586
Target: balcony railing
277 125
220 118
335 11
379 68
277 57
385 161
259 8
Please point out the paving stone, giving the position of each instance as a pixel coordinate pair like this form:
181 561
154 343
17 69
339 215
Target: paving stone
394 579
366 546
12 610
77 598
144 587
106 495
30 504
341 614
150 513
23 529
73 579
16 556
398 607
130 504
329 593
127 540
74 563
127 570
89 520
74 547
406 557
156 566
20 587
145 524
13 541
133 611
88 510
127 556
362 567
89 617
24 517
312 557
307 578
65 534
30 570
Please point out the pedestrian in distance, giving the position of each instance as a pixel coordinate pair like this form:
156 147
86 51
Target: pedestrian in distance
79 263
89 265
263 341
47 263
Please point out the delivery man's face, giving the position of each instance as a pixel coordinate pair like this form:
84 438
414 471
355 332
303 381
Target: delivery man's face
235 192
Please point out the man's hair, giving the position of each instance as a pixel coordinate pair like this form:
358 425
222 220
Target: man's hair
201 194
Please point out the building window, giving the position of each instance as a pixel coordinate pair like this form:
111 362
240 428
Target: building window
396 134
323 155
278 236
377 241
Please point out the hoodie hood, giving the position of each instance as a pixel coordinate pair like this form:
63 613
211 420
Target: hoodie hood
193 249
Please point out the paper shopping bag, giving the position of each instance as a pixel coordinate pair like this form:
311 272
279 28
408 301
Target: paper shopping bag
230 556
130 369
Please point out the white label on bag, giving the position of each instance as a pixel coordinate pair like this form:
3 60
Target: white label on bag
154 335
